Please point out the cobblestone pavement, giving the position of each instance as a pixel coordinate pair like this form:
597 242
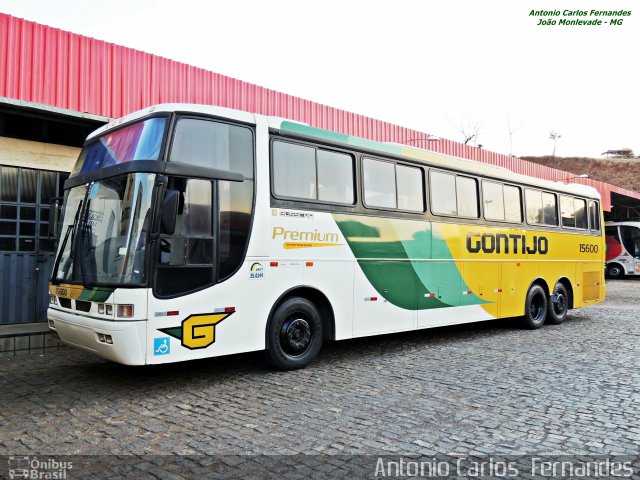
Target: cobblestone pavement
488 388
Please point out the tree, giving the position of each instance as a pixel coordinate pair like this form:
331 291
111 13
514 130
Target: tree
621 153
470 130
553 135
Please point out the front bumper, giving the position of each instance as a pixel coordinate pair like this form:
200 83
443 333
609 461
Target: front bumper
128 339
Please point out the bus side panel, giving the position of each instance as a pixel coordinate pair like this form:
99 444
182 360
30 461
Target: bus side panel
592 284
335 280
479 271
313 242
387 276
443 280
388 309
516 277
224 319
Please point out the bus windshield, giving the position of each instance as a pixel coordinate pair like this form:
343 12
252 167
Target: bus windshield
139 141
104 232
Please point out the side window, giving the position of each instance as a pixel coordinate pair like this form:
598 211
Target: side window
335 177
235 201
294 171
443 193
214 216
467 196
549 209
493 200
187 256
379 183
389 185
410 188
541 208
612 232
454 195
573 212
309 173
534 206
512 204
567 211
213 144
581 213
594 216
195 218
631 239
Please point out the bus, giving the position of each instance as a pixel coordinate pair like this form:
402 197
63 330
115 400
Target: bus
191 231
623 249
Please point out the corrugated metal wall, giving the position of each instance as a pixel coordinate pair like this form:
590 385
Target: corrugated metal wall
46 65
24 295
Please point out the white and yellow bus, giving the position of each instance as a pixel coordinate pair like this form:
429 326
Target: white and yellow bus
192 231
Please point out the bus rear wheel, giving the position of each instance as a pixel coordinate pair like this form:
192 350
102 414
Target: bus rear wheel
535 310
558 305
295 334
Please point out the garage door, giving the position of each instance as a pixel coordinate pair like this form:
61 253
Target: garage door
26 251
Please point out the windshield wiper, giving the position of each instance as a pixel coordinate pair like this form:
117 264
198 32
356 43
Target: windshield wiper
70 232
83 234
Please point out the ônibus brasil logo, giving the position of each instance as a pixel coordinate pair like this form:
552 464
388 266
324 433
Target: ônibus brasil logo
198 331
34 467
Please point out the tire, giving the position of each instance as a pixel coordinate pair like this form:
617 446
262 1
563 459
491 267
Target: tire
295 334
558 305
535 308
615 271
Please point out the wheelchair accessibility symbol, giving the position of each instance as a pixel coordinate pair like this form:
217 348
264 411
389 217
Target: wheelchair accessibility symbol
161 346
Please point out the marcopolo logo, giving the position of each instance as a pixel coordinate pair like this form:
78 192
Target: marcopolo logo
198 331
503 243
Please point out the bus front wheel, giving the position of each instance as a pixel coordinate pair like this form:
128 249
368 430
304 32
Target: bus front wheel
615 271
295 334
558 305
535 310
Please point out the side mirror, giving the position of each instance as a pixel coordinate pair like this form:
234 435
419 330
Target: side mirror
55 209
169 211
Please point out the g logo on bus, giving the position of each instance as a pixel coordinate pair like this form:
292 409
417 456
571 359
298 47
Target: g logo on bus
197 331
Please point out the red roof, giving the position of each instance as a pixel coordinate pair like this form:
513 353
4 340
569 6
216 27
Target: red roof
46 65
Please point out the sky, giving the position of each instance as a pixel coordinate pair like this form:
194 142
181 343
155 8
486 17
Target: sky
438 67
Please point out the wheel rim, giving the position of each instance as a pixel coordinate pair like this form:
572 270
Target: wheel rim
614 271
559 304
536 308
295 336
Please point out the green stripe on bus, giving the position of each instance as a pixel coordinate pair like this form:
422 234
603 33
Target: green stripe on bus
302 129
397 257
95 294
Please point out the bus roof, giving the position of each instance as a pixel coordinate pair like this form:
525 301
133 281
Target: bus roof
229 113
395 149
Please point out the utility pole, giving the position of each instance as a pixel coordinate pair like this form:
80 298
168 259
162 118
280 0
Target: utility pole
553 135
